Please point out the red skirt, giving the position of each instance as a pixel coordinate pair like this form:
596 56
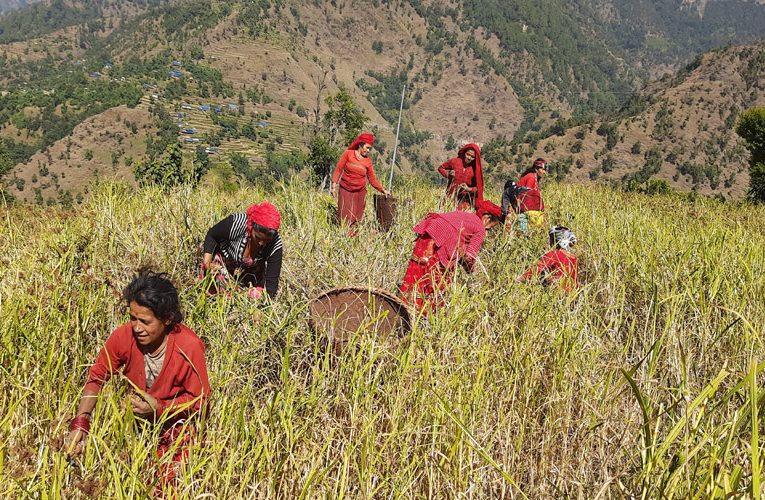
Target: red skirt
425 278
173 450
350 205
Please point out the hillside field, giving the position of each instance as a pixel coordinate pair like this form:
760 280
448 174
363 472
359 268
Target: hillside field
639 384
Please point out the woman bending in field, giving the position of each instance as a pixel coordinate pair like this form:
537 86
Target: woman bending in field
442 241
245 250
164 362
559 265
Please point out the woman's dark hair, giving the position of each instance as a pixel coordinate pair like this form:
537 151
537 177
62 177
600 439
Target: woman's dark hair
157 292
255 227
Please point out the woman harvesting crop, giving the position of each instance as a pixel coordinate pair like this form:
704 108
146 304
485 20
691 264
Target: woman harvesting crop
162 359
245 250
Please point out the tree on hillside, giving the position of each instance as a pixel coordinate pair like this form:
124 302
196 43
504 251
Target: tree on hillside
168 170
5 159
751 127
339 125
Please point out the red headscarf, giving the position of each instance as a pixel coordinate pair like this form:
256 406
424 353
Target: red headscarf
365 138
478 169
264 214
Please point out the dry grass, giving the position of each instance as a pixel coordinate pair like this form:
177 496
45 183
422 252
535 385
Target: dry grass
640 384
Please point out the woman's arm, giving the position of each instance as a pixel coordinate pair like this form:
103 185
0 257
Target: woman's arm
338 172
373 180
273 270
110 359
446 169
80 425
215 237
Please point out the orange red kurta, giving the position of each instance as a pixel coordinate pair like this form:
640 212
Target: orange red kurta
352 173
181 388
556 266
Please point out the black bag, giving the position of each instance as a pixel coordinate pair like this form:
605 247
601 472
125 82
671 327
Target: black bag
510 197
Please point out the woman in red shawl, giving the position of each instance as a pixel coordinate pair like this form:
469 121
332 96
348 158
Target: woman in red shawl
442 241
352 172
465 177
530 204
163 361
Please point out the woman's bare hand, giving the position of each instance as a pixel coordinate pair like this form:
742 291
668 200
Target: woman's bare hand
145 406
74 443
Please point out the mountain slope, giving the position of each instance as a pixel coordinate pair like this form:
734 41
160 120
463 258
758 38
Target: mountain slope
681 132
476 71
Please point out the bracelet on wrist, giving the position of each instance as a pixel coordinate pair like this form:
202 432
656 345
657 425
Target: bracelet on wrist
80 423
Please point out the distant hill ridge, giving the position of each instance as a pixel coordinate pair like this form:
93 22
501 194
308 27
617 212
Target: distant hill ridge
522 78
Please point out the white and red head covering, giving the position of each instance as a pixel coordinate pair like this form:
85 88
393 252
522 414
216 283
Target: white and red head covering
362 138
263 214
562 237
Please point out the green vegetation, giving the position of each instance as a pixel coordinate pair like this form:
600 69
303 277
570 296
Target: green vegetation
574 62
43 18
643 383
169 170
751 127
340 124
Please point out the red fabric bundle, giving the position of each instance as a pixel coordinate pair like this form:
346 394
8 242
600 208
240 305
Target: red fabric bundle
484 207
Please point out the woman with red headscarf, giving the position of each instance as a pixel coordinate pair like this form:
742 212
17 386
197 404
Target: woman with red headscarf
246 247
352 172
530 204
465 176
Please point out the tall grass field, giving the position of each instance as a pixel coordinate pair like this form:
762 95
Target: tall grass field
645 382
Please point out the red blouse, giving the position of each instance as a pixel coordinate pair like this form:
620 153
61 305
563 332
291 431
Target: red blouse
354 172
555 266
463 174
181 381
532 199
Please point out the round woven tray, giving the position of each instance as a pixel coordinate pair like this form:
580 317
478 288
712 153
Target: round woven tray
342 312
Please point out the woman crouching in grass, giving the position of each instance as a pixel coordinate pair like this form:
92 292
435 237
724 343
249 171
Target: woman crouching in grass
164 362
559 265
244 251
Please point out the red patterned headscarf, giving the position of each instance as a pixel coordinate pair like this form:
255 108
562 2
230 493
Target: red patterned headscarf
264 214
478 168
365 138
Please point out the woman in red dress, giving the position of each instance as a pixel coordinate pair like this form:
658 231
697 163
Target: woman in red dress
442 241
465 177
352 172
163 361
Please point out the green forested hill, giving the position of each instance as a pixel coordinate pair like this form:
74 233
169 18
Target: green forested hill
487 71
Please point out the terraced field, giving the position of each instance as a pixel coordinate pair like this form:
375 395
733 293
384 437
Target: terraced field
283 128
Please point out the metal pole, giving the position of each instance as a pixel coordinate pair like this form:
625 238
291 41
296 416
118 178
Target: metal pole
395 145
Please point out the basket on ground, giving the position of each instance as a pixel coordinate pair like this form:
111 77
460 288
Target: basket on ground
341 313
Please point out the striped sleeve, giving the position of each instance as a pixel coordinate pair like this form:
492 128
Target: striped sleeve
273 267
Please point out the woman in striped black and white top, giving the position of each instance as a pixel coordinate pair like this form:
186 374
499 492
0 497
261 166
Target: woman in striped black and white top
246 247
